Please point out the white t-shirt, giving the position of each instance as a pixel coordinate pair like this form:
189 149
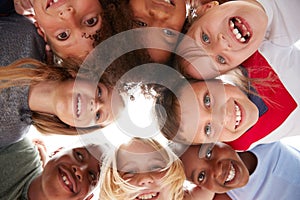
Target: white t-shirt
280 50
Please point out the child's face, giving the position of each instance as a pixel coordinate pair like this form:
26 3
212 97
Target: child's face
69 24
229 33
81 103
141 165
220 170
168 15
70 175
222 112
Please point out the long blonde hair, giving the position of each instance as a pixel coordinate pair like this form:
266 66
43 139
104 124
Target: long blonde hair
114 187
26 72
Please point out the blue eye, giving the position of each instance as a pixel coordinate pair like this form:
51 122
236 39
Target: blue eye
205 38
99 92
98 116
201 177
221 59
207 129
169 32
91 22
207 100
63 35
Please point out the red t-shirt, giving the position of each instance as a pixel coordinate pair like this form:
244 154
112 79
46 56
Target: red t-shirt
278 100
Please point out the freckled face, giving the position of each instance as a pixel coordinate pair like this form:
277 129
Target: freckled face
223 112
69 24
219 170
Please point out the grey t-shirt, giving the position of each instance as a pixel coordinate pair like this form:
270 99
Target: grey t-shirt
18 39
20 164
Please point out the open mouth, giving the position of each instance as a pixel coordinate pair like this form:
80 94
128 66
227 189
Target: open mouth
240 29
78 106
231 174
51 2
238 115
152 195
171 2
66 181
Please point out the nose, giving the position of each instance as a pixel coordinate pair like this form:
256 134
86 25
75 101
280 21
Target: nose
78 171
217 169
230 115
94 105
145 179
222 42
67 13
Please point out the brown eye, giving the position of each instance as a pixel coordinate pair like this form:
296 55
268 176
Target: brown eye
63 35
201 177
140 23
91 22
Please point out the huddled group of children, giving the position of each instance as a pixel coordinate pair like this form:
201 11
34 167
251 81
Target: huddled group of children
222 76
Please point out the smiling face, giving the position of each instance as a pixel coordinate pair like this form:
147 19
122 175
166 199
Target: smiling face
142 166
81 103
166 14
229 33
223 112
70 175
68 25
220 170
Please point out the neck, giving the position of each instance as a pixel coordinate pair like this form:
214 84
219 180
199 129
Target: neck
249 159
35 191
40 97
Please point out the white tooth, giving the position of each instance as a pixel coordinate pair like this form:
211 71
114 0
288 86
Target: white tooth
242 40
248 34
231 174
55 1
238 20
238 36
231 24
64 178
235 31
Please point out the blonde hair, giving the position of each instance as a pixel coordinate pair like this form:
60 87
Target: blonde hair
114 187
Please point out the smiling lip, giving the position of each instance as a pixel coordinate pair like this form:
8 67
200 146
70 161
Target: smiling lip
148 196
238 115
164 3
78 105
240 30
67 180
54 3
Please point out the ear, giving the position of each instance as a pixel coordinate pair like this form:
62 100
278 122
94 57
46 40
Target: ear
89 197
205 7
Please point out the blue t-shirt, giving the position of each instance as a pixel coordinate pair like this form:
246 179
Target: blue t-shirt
277 175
